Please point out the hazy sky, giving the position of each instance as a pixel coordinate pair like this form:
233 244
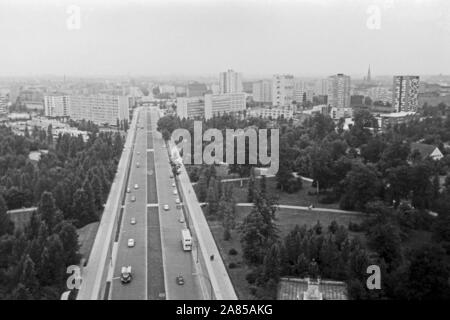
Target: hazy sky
190 37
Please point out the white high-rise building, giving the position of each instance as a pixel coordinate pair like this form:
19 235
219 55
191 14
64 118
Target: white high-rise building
100 109
405 93
301 91
192 107
282 90
230 82
56 106
321 87
218 104
339 96
4 100
262 91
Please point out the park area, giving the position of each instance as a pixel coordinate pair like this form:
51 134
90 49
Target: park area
286 219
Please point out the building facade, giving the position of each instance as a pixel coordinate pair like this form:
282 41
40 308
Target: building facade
100 109
405 93
192 107
196 89
339 95
271 113
282 90
56 106
262 91
230 82
4 100
217 104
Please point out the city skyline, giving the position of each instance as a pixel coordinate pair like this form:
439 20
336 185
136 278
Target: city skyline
256 38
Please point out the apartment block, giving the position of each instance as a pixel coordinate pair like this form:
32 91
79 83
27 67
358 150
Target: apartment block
262 91
405 93
271 113
217 104
56 106
100 109
230 82
282 90
193 107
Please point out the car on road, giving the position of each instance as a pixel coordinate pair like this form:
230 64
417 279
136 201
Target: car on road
133 198
137 165
166 207
175 191
177 201
136 186
126 275
171 175
130 243
173 184
133 220
138 152
128 190
180 280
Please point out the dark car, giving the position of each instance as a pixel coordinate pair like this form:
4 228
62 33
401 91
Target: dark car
180 280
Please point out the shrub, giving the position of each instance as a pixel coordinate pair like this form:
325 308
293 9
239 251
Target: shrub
232 252
251 277
232 265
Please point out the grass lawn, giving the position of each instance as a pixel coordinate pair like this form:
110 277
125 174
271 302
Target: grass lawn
300 198
86 237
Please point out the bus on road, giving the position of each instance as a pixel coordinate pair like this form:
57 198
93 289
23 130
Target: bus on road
186 240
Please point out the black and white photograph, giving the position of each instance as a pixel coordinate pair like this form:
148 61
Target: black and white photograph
218 156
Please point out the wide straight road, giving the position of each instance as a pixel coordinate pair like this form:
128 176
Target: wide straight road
136 256
176 260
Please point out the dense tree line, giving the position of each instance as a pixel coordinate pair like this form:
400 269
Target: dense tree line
69 185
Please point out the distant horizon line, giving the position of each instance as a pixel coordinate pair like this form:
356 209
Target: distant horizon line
186 76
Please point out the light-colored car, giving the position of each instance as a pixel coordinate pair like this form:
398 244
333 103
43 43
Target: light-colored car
173 184
130 243
177 201
133 220
133 198
128 190
137 165
175 191
171 175
136 186
138 152
166 207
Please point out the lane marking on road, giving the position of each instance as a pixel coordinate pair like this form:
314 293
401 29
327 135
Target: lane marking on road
150 150
152 205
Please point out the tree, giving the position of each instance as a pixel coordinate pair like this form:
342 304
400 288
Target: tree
27 274
251 186
385 239
201 187
48 211
83 208
6 225
69 239
360 186
211 197
252 239
49 135
98 192
272 264
428 275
